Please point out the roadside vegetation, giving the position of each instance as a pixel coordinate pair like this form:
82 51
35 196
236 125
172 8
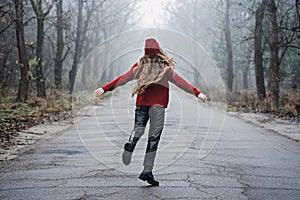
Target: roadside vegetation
288 108
16 116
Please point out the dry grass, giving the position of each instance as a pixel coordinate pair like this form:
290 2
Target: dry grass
15 116
289 104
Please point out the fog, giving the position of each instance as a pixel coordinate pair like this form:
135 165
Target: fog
228 33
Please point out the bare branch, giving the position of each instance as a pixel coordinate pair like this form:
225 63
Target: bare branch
49 7
67 52
34 6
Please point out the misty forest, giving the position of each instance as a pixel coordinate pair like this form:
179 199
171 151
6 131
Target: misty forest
43 43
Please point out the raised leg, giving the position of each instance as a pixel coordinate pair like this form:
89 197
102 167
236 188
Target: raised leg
140 122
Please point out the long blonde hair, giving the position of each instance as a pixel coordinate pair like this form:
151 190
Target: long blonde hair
151 69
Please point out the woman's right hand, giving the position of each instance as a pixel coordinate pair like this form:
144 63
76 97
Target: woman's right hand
98 92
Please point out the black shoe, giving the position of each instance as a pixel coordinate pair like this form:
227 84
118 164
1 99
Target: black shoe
148 176
127 153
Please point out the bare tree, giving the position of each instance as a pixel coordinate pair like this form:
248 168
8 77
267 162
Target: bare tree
274 69
24 67
59 46
193 19
99 19
7 41
90 10
227 30
78 45
258 55
298 11
41 15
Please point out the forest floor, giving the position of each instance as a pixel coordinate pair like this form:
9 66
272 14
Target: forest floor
22 124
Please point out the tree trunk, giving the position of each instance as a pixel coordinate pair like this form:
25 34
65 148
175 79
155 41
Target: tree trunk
40 81
298 11
84 76
274 69
59 47
246 74
245 78
24 66
229 47
3 63
85 29
105 72
258 54
41 15
78 45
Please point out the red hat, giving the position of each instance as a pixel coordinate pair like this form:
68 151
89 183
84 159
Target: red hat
151 47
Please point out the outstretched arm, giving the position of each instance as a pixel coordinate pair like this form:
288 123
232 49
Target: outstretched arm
121 80
184 85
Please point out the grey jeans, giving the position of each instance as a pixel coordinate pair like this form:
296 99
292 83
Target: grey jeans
156 114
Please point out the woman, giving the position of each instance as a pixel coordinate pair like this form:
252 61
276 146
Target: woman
153 72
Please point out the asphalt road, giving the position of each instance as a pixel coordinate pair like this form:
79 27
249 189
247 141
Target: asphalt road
203 154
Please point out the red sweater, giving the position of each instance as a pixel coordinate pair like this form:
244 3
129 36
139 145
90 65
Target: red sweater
158 93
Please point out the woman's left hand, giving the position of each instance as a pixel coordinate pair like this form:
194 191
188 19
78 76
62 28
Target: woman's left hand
202 97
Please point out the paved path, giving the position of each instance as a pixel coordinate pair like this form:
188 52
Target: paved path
84 162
